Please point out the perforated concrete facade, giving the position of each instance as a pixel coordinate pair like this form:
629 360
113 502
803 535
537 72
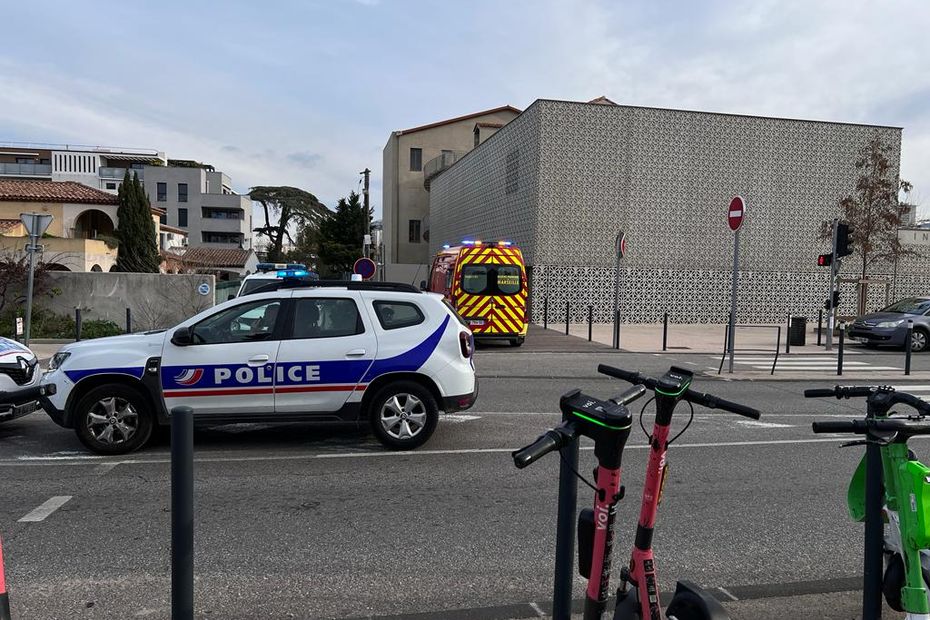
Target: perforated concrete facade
563 177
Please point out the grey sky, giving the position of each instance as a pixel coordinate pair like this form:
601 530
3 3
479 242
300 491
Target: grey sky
306 93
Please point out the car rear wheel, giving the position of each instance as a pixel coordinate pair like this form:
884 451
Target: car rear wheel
113 419
918 340
516 342
404 415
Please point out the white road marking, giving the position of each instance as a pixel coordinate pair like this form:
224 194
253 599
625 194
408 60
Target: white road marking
455 418
763 424
727 593
79 457
104 468
537 609
40 513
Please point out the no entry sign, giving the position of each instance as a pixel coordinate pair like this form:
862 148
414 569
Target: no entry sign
365 267
736 213
620 244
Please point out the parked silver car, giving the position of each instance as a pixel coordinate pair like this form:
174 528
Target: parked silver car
888 326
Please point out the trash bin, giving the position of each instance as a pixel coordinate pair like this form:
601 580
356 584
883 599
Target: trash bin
797 332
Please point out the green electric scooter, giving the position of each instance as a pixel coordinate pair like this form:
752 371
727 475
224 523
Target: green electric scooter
889 484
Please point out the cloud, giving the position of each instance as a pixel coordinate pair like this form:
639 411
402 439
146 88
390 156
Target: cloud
305 159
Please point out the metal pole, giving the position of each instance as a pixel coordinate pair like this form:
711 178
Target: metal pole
366 173
907 347
567 306
128 320
565 534
732 329
788 339
546 312
874 534
182 513
665 331
29 285
590 320
819 326
617 301
831 311
77 323
839 356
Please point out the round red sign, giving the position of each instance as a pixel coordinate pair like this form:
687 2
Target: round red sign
737 213
365 267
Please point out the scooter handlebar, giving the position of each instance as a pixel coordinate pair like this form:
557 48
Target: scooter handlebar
834 426
547 442
714 402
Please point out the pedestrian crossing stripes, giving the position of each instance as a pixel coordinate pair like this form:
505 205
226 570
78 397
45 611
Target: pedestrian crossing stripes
810 362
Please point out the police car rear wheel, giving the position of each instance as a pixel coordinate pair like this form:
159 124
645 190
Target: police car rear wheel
113 419
404 415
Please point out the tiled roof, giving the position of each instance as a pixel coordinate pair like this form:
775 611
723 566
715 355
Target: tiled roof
503 108
8 225
216 257
53 191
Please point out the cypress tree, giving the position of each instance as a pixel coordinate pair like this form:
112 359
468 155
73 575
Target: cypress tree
138 240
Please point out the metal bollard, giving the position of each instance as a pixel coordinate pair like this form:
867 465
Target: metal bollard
839 353
5 598
128 320
546 312
617 330
819 326
590 320
565 533
182 513
788 339
567 305
77 323
665 332
907 347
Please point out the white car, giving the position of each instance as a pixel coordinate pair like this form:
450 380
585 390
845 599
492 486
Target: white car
382 354
20 377
270 272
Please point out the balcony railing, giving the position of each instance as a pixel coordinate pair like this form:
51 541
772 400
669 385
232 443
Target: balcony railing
439 164
118 173
26 169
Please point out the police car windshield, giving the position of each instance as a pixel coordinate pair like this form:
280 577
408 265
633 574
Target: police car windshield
491 279
251 285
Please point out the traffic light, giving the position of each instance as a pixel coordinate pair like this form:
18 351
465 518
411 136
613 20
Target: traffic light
825 260
836 301
844 242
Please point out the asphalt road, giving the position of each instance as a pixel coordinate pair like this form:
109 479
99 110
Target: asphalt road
300 522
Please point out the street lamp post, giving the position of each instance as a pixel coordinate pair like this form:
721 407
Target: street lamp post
36 224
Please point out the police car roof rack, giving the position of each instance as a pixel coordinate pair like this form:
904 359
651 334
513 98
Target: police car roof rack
289 282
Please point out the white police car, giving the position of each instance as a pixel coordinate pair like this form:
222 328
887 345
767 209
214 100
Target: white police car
379 353
20 378
269 272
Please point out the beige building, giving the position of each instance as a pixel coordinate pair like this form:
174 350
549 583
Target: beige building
412 158
81 237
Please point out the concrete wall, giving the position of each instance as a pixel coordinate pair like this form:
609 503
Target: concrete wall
157 300
404 197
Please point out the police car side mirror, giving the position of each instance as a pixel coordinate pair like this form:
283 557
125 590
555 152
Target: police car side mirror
422 285
183 337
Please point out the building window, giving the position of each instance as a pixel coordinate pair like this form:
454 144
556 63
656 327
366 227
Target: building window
182 217
414 231
416 160
217 237
111 185
513 172
25 160
161 191
182 192
163 218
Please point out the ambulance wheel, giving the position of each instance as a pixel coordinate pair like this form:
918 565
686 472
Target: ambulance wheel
404 415
113 419
516 342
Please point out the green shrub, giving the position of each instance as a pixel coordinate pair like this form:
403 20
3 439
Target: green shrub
45 324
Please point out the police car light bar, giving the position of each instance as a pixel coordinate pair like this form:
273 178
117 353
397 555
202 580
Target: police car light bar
505 243
264 267
470 242
293 273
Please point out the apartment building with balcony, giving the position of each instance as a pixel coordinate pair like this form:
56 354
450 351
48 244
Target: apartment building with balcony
200 200
412 158
95 166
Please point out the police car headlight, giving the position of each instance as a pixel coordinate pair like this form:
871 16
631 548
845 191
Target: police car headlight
58 359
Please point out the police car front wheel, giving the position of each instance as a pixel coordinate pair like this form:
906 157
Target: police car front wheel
113 419
404 415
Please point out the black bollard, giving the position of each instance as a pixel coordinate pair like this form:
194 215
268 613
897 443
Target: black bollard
839 353
590 320
665 332
128 320
907 347
77 323
788 339
617 330
546 312
565 533
567 304
819 326
182 513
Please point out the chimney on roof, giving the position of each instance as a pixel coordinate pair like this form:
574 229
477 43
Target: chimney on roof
602 100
